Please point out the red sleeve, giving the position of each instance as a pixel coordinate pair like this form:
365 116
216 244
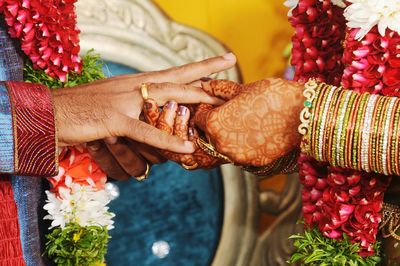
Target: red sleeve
35 141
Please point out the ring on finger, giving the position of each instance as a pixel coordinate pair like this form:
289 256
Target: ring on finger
190 167
145 175
144 91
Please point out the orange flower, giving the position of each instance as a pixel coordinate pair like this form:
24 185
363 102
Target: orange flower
77 166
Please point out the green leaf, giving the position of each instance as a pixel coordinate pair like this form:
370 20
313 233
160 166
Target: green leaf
312 248
91 71
87 249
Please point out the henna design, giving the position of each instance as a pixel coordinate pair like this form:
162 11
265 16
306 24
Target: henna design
224 89
257 126
167 117
201 115
151 112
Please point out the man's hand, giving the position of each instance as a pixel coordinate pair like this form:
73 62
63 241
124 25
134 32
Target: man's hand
110 108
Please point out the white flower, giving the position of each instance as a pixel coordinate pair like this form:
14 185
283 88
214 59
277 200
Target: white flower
365 14
339 3
292 4
80 204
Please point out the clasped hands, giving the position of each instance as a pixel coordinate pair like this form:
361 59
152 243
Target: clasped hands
255 126
251 124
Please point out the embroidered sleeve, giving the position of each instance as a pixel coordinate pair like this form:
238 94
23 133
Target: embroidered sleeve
27 130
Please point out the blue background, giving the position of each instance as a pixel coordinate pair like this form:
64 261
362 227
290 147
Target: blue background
180 207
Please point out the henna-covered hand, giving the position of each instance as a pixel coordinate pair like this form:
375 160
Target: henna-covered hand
175 120
258 125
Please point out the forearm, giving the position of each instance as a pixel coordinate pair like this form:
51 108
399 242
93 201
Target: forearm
27 130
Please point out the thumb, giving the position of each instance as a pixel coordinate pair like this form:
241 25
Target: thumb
201 115
152 136
224 89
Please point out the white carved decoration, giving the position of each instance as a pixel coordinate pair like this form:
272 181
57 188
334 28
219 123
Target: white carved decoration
143 35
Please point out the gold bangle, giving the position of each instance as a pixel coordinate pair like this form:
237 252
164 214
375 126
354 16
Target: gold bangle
305 115
189 167
145 175
144 91
210 150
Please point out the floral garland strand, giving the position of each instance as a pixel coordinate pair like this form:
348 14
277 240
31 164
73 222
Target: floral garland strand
77 206
317 48
345 204
47 32
77 202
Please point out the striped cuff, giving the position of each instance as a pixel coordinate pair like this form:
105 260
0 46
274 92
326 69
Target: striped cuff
6 133
33 129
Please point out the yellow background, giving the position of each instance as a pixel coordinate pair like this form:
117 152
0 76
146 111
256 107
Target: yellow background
257 31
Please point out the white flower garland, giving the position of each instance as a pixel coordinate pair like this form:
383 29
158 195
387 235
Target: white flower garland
366 14
79 204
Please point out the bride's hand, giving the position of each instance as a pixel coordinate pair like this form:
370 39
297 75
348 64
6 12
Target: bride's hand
175 120
258 125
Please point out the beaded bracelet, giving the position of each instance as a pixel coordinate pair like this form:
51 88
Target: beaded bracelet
285 165
351 130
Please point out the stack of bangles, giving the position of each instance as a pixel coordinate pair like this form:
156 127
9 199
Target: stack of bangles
351 130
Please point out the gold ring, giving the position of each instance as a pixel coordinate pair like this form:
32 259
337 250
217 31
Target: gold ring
144 91
211 150
190 167
145 175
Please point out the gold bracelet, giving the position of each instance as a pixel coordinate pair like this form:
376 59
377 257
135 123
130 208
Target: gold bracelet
210 150
305 115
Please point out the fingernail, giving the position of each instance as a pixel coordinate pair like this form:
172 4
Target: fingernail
182 111
191 132
229 56
148 105
205 79
190 145
93 146
171 105
111 140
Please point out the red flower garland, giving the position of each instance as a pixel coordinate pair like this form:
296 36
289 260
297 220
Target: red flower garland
373 65
338 201
48 33
317 43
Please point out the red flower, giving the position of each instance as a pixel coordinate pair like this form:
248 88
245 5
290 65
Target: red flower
77 164
48 33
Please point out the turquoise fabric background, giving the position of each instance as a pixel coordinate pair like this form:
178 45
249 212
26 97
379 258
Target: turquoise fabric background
182 208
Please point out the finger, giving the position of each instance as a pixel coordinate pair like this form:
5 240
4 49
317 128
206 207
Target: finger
151 112
152 136
201 115
128 159
111 140
192 134
182 93
196 83
182 122
149 153
224 89
103 157
167 117
203 159
181 130
194 71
